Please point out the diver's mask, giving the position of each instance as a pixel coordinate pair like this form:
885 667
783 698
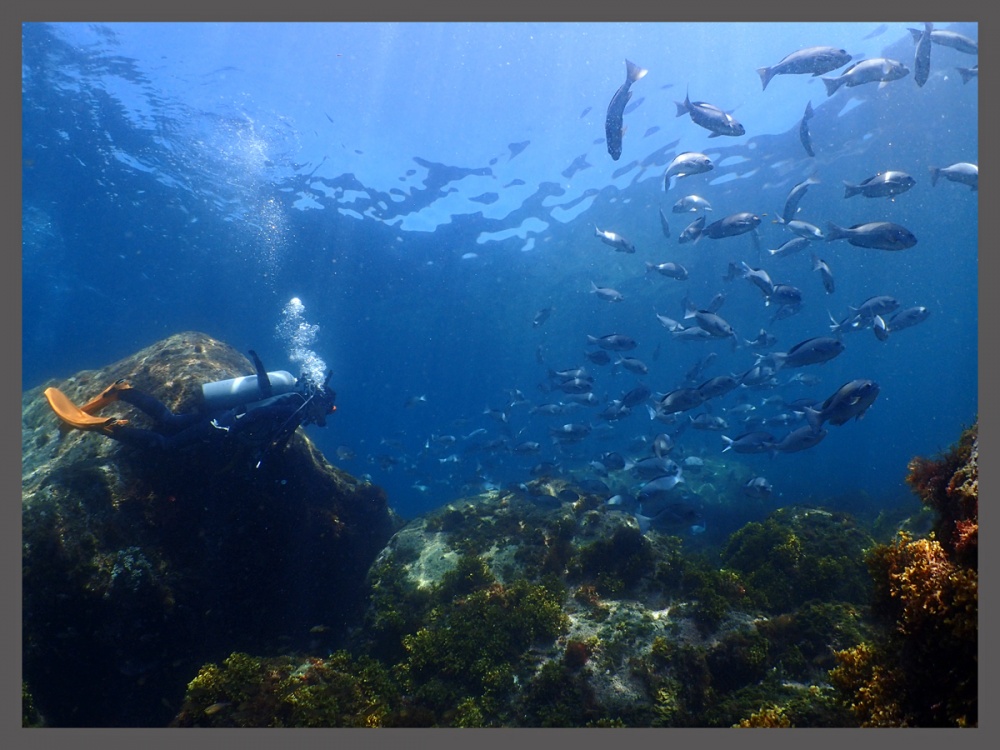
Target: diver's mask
320 400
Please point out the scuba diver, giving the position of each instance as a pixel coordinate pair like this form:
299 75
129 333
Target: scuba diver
260 411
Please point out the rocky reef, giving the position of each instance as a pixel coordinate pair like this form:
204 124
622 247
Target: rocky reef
544 607
920 668
139 567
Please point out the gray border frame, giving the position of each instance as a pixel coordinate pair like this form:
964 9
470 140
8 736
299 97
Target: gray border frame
11 733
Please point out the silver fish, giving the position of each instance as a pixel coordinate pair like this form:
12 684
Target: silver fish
680 399
963 172
672 270
619 243
709 422
606 293
795 195
720 385
882 185
791 246
664 224
784 294
615 342
614 121
758 277
922 56
800 439
732 225
691 203
809 352
710 117
949 39
850 401
968 73
712 323
694 333
633 365
758 488
879 235
801 228
813 60
911 316
749 442
825 274
804 137
685 164
692 231
878 69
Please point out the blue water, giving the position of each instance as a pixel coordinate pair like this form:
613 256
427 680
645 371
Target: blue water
413 185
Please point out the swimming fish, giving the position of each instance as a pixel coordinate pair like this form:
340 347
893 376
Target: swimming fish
850 401
922 56
613 123
710 117
813 60
619 243
878 69
685 164
804 135
881 185
880 235
963 172
795 195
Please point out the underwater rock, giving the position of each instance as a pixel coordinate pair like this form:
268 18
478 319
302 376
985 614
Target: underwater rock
922 669
635 629
139 567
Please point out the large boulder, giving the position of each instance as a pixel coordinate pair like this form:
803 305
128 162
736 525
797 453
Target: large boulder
138 567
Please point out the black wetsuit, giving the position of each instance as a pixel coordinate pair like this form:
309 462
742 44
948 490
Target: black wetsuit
264 423
260 425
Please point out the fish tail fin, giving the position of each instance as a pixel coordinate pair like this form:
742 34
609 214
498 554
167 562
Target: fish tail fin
850 189
832 84
729 443
834 232
633 71
765 76
682 108
935 173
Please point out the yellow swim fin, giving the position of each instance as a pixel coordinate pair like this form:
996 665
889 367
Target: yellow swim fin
109 395
73 416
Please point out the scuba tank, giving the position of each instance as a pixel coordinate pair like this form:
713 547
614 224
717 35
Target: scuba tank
226 394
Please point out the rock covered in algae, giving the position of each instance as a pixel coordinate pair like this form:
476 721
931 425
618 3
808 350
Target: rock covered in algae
139 567
618 628
922 668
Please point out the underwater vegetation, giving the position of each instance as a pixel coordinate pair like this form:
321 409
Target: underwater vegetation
921 666
496 611
244 691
